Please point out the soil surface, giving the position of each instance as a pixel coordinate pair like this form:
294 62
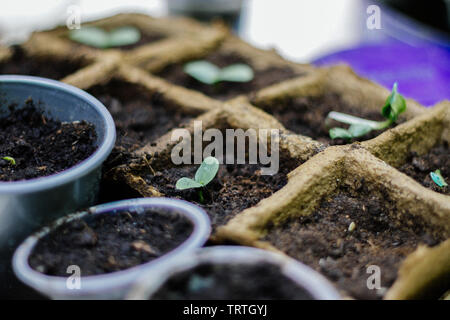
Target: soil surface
306 116
227 90
419 167
140 117
235 188
41 146
51 68
110 242
323 240
231 282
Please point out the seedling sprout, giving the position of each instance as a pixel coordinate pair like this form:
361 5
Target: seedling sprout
437 178
10 159
394 105
204 175
208 73
100 38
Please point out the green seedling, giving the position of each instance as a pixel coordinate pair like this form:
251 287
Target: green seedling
10 159
351 227
99 38
437 177
394 105
208 73
204 175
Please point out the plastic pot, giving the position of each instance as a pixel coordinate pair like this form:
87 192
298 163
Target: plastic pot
305 277
116 284
27 205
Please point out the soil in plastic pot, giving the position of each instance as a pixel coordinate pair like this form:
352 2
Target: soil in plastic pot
207 281
108 242
33 145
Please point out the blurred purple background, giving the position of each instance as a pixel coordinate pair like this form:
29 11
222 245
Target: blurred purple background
416 54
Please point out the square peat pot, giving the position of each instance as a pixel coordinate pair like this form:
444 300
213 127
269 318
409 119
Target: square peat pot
346 213
26 205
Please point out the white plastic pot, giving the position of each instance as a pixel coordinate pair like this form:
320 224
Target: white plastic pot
112 285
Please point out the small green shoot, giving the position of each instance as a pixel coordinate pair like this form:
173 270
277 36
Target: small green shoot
10 159
394 105
204 175
208 73
351 226
99 38
437 177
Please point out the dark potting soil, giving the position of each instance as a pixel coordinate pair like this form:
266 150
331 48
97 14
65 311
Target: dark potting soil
41 146
419 167
231 282
109 242
323 241
140 117
235 187
51 68
227 90
306 116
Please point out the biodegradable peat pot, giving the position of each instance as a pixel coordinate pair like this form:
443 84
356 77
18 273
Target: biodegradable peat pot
28 204
155 257
345 210
303 104
222 203
162 39
268 67
292 280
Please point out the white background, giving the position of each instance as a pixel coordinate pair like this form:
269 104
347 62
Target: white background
299 29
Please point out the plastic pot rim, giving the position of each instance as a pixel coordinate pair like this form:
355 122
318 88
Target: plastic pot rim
307 278
100 286
79 170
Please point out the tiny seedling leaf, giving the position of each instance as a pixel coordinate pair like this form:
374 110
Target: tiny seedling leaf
349 119
10 159
340 133
202 71
207 171
99 38
358 130
91 36
394 105
237 73
186 183
123 36
437 177
206 72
